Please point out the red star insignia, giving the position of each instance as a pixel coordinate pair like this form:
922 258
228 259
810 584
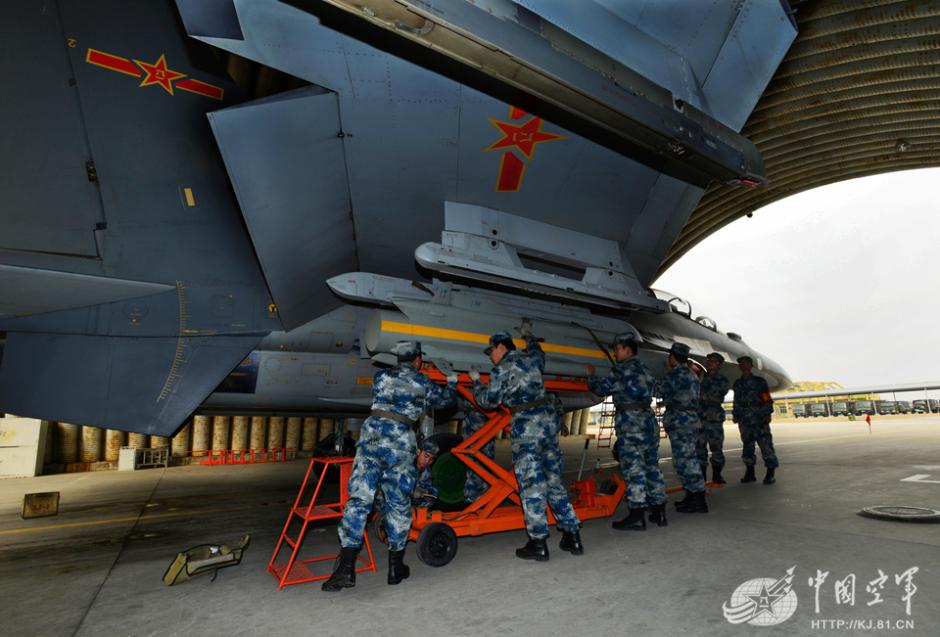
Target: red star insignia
524 136
158 73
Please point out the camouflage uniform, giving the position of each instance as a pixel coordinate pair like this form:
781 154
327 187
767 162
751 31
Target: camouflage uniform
536 456
385 454
631 384
475 486
679 389
712 415
425 493
752 409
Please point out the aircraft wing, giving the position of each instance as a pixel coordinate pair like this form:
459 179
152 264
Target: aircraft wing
387 136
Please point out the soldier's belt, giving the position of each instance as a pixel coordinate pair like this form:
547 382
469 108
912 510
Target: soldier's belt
635 406
532 404
391 415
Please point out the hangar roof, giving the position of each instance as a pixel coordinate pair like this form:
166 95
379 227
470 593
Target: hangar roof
857 94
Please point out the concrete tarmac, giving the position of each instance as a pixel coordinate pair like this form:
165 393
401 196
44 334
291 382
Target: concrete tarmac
96 568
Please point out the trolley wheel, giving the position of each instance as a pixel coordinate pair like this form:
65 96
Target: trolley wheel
437 544
377 526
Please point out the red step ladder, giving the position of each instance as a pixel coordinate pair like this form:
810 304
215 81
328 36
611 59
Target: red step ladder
298 571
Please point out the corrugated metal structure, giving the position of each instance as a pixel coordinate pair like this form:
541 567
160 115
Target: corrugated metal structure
857 95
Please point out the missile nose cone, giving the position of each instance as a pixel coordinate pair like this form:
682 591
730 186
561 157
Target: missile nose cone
354 286
344 284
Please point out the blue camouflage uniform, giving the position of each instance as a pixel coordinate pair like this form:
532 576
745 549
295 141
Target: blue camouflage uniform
714 387
679 389
630 383
752 409
475 486
385 453
515 382
425 493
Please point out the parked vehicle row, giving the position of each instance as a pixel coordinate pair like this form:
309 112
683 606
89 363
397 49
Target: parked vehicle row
863 408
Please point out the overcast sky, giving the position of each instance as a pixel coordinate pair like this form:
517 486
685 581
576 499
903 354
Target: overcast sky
837 283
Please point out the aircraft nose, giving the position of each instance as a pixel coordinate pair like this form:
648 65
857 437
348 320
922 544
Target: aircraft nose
775 372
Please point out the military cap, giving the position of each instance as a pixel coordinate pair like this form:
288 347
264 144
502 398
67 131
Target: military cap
743 359
627 339
680 351
407 350
716 357
429 446
504 338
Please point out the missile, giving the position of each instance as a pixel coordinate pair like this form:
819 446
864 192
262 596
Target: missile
454 322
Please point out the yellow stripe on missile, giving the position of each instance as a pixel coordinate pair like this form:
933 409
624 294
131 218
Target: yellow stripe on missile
410 329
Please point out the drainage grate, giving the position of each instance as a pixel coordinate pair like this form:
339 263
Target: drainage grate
901 514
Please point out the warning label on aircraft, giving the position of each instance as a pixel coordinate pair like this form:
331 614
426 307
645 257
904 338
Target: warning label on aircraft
153 74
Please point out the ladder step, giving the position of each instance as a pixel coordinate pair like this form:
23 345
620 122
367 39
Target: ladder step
293 544
318 512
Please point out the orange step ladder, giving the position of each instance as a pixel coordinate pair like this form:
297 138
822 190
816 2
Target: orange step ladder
298 571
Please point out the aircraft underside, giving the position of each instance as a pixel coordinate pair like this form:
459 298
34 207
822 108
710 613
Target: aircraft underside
206 246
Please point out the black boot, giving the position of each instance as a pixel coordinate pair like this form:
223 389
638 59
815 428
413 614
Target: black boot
571 542
636 521
684 502
696 504
397 570
534 550
704 472
769 478
344 573
716 473
658 514
749 474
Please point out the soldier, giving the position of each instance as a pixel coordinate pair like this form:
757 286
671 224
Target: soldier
679 390
516 382
385 458
753 408
712 414
425 493
475 486
631 385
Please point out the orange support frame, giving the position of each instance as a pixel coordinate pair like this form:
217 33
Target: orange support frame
298 571
499 508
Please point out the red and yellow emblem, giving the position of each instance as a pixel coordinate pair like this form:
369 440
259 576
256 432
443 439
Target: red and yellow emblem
523 137
157 73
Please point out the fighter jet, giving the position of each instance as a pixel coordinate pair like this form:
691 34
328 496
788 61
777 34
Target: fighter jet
434 174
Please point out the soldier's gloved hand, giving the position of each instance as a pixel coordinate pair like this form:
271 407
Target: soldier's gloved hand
474 374
526 327
452 378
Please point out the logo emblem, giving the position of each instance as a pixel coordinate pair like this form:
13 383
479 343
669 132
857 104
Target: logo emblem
762 601
523 138
157 73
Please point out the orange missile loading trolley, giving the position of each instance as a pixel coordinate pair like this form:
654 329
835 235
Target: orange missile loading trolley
499 508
